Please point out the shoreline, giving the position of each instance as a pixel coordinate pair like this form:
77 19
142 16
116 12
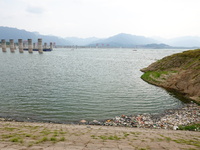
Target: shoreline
170 119
120 133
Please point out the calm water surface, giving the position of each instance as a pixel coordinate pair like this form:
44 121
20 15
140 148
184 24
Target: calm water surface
69 85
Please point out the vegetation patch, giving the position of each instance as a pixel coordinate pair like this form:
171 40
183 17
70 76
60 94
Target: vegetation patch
190 53
53 139
9 129
156 76
44 139
147 77
126 134
16 139
111 137
186 63
192 127
30 135
168 139
135 133
188 142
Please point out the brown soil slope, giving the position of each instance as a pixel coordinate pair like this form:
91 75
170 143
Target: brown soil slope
180 72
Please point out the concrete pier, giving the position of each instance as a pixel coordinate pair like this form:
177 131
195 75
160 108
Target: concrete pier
34 46
3 45
15 45
30 46
12 46
45 45
40 48
20 45
51 45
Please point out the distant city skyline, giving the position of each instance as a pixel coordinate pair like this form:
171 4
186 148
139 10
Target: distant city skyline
103 18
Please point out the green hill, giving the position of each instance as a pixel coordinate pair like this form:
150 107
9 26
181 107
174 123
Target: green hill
179 72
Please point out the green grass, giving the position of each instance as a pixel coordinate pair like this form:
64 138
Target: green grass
53 139
93 136
7 136
31 135
114 137
44 139
111 137
142 148
46 132
28 135
55 133
188 59
192 127
190 53
62 139
135 133
188 142
61 132
103 137
159 139
31 127
126 134
16 140
9 129
192 63
147 77
168 139
153 76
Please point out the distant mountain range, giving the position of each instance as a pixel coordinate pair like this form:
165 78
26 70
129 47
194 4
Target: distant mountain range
119 40
81 41
124 40
14 33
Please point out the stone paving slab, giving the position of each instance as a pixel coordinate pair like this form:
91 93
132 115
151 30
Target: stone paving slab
48 136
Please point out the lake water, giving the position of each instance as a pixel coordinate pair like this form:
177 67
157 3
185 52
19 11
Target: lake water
68 85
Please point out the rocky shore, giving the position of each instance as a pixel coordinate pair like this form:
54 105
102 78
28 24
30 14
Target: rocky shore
171 119
180 73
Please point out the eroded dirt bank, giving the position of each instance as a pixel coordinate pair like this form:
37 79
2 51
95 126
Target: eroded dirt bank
179 72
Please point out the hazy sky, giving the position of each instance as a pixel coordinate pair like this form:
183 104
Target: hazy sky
103 18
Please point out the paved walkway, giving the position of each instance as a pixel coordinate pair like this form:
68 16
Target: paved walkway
47 136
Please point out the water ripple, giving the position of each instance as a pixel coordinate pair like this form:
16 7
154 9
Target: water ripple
66 85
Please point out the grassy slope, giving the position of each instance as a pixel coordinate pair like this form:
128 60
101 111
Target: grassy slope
180 72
